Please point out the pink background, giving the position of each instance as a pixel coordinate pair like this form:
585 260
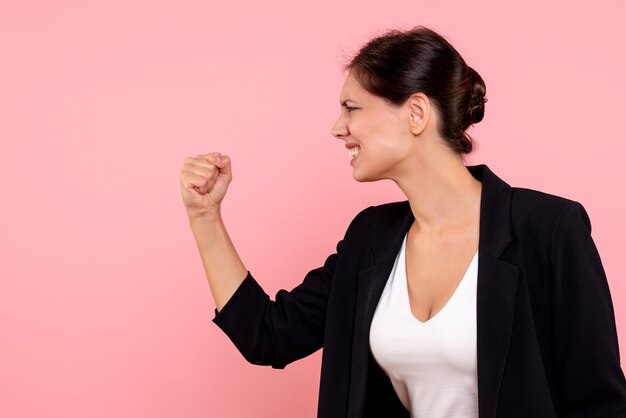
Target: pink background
104 307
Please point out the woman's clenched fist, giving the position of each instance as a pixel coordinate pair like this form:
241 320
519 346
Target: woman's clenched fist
204 180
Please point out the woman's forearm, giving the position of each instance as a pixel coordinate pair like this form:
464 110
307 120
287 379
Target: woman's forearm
224 269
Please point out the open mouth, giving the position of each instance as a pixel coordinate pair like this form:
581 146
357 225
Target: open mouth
354 151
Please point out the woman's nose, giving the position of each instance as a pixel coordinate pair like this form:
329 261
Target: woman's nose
339 129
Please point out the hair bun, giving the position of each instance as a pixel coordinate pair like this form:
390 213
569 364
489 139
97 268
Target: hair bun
477 100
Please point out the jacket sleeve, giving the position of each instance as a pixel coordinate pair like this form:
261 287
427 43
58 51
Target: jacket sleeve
278 332
590 381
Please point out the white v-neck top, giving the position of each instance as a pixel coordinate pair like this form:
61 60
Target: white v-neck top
432 365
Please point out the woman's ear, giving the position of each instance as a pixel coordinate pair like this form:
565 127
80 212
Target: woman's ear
419 106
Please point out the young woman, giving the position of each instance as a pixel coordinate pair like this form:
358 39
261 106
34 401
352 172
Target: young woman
469 299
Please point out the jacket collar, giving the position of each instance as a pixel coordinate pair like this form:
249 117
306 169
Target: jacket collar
496 292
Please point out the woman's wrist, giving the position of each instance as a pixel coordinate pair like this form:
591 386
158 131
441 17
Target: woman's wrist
210 215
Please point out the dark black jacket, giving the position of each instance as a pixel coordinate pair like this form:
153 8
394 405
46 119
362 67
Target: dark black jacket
546 336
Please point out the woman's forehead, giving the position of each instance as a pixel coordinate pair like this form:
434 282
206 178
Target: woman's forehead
351 90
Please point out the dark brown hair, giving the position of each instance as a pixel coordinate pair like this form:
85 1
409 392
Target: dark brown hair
400 63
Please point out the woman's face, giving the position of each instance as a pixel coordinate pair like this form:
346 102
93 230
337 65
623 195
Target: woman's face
378 134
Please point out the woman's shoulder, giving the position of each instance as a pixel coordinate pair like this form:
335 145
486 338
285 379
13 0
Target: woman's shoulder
524 197
531 207
528 208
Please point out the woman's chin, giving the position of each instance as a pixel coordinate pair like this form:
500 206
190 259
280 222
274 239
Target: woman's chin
355 175
356 178
360 176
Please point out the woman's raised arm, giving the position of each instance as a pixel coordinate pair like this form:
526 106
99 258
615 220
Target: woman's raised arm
203 182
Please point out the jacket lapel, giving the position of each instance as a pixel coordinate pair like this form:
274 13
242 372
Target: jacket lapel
497 288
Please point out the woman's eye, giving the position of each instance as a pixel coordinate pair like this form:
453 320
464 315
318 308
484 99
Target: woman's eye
350 108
